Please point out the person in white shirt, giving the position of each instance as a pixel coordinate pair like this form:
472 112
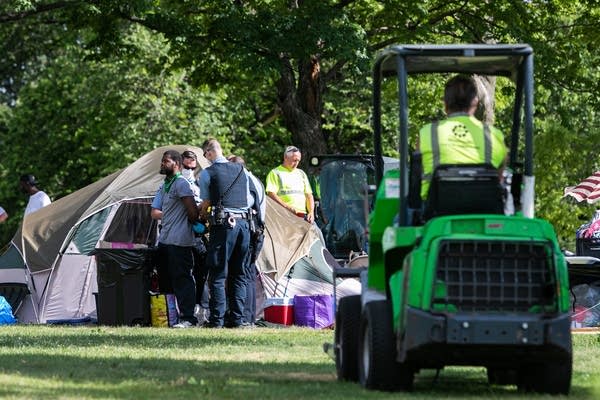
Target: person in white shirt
37 198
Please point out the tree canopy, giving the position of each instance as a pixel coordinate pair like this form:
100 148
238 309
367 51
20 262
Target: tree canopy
87 86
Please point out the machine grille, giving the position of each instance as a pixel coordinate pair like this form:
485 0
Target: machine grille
495 276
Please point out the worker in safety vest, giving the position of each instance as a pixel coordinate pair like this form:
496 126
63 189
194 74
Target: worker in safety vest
289 186
460 138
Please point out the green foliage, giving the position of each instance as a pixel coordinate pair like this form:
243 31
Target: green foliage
561 160
81 119
88 86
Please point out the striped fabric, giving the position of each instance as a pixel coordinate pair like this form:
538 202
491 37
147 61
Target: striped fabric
587 190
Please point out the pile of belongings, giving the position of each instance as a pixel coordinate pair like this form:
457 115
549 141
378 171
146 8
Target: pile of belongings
585 302
590 229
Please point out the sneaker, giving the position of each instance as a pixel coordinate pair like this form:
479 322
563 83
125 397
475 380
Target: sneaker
183 324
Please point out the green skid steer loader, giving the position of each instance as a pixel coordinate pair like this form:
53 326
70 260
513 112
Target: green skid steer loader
470 285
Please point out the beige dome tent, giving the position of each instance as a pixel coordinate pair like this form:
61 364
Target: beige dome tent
49 254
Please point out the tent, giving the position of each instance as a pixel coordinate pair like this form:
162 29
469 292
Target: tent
294 260
49 254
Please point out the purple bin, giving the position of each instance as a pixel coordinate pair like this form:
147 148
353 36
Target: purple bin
314 311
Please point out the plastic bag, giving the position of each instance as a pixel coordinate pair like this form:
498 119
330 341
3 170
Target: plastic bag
163 310
6 314
586 305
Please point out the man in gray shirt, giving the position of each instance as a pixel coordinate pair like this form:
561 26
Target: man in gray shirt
176 238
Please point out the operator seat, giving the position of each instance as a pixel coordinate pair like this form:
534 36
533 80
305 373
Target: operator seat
464 189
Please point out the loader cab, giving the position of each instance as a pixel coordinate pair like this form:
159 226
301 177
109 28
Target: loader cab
514 62
435 294
402 66
343 189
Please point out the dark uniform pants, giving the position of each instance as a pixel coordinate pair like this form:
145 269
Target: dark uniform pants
226 260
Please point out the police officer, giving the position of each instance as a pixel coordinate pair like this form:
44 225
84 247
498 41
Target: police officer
258 208
460 138
224 188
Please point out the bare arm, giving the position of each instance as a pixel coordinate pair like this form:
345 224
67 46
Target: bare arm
156 213
310 207
191 208
203 209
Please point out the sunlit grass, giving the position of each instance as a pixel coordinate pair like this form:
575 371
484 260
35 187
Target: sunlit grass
49 362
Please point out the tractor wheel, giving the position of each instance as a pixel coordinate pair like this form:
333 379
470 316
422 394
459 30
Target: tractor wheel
347 322
378 368
501 376
552 377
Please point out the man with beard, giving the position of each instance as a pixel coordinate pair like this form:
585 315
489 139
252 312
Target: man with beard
176 240
189 165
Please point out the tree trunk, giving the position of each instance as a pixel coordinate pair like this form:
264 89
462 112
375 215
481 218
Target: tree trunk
301 103
486 87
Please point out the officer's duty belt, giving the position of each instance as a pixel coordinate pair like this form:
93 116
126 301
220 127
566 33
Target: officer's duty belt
238 215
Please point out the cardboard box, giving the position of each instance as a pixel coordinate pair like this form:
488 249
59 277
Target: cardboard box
279 310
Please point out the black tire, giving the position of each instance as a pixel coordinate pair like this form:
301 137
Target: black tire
501 376
347 323
552 377
378 368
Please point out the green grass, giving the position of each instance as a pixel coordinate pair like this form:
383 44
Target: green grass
50 362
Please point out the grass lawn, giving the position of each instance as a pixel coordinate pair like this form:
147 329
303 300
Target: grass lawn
52 362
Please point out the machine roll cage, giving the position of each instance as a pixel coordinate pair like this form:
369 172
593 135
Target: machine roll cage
512 61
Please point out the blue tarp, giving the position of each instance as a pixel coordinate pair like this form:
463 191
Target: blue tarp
6 314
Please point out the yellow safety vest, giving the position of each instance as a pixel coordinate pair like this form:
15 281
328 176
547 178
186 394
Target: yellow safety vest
291 186
460 139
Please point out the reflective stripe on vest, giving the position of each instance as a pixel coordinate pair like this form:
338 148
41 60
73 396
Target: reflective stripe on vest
281 191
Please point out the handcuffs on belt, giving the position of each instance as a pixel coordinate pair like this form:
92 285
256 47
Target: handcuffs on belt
220 217
231 222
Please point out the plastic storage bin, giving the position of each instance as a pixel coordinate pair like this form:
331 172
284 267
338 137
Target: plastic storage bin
314 311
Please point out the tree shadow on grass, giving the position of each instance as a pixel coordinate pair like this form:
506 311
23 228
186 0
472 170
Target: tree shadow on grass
101 362
98 375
